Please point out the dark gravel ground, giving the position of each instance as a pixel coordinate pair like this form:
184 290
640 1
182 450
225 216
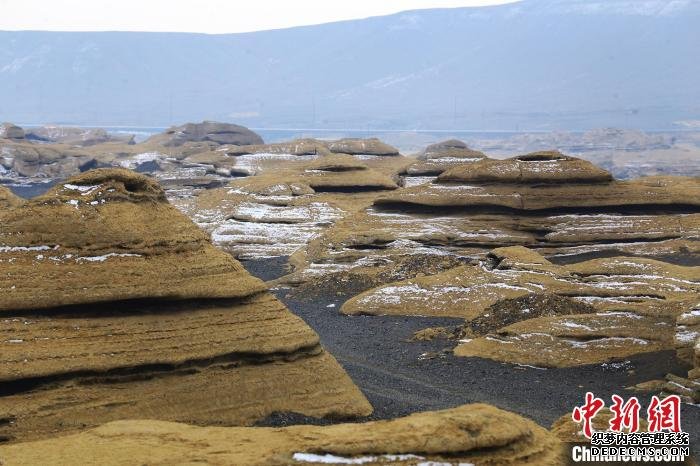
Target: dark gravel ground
398 380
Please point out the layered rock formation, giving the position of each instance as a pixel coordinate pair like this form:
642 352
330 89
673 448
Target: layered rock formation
219 133
281 210
115 306
355 146
687 343
556 204
631 305
437 158
472 434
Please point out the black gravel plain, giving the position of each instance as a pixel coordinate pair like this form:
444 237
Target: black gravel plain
399 376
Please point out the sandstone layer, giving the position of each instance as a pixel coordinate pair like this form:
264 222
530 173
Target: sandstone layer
631 306
440 157
219 133
280 210
558 205
471 434
115 306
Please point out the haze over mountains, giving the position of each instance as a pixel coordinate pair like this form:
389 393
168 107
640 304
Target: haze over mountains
535 64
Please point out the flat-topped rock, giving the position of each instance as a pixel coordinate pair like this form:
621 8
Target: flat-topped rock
356 146
440 157
22 159
344 173
650 194
294 147
470 434
451 148
537 167
220 133
572 340
511 310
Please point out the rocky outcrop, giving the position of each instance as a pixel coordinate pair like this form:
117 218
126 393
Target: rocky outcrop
11 131
295 147
281 210
356 146
219 133
437 158
534 168
76 136
623 306
24 160
352 146
559 205
472 434
344 173
687 343
116 306
511 310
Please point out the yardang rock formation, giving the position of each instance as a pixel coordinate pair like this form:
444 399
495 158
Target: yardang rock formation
115 306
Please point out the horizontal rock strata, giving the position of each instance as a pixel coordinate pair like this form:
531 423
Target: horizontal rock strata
114 306
471 434
627 306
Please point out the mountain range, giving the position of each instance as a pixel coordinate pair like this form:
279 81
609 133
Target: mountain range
529 65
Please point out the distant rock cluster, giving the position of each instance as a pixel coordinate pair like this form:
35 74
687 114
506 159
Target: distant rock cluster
122 298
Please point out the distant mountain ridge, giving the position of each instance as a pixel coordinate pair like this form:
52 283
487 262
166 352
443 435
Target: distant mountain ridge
535 64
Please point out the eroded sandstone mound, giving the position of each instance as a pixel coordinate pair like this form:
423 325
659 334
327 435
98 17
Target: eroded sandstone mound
471 434
556 204
281 210
537 167
622 306
440 157
116 306
300 147
219 133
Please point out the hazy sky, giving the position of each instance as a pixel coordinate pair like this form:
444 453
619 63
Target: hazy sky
210 16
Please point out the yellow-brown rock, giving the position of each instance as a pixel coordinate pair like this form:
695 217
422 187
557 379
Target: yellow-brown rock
475 434
7 198
632 306
115 306
440 157
109 235
537 167
279 211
